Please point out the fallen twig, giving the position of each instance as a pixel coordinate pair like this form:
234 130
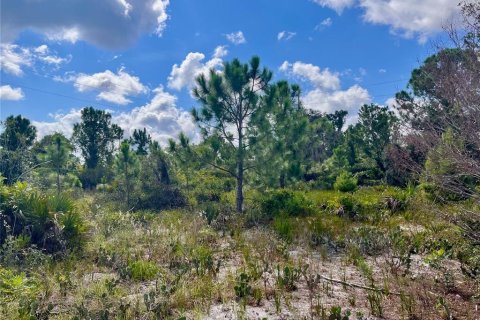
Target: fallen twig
355 285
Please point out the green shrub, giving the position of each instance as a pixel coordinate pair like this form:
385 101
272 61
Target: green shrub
345 182
349 207
284 227
14 287
142 270
286 202
51 222
288 277
203 261
469 256
370 240
327 229
336 313
243 288
159 197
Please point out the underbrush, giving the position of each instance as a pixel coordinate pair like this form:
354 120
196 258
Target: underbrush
50 222
182 263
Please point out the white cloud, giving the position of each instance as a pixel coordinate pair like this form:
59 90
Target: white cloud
327 22
220 52
112 87
126 6
63 123
329 101
382 70
14 58
64 34
337 5
409 18
324 79
324 24
43 49
184 75
106 23
44 54
236 37
326 94
285 35
9 93
161 117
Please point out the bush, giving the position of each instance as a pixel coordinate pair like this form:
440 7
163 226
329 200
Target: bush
19 297
345 182
141 270
159 197
370 240
14 287
327 229
286 202
284 227
349 207
50 222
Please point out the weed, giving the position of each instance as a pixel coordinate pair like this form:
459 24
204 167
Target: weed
243 289
285 228
286 202
288 277
375 302
336 314
141 270
407 303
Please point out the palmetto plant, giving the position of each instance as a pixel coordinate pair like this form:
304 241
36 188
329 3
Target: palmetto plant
51 222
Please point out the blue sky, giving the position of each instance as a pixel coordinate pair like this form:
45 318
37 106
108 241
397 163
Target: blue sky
138 58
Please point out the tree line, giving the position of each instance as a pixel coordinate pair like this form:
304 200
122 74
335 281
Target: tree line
256 133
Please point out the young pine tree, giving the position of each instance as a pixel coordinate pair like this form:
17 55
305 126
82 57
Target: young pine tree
230 103
126 166
57 156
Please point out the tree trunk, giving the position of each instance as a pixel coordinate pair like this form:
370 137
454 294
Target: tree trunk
240 187
58 183
240 171
282 180
127 186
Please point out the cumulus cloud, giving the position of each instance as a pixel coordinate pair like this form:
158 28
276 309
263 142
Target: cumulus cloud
326 94
106 23
337 5
184 75
408 18
13 58
411 17
112 87
285 35
330 101
62 122
236 37
161 117
220 52
324 79
9 93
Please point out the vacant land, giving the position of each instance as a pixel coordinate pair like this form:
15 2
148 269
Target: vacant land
376 253
266 201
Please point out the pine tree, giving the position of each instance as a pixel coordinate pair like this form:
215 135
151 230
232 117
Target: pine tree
231 103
